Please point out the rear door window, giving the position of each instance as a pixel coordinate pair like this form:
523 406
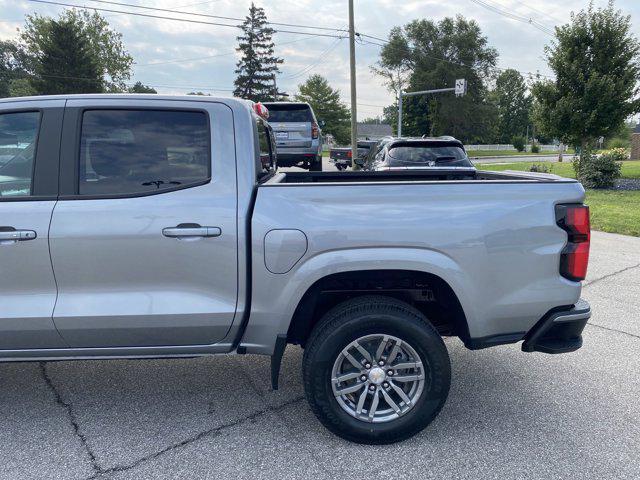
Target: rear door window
18 138
130 152
289 113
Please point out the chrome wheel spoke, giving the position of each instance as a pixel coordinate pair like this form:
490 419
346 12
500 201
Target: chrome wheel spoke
394 351
352 360
407 378
349 389
363 397
347 376
390 401
381 348
404 365
363 351
374 405
400 392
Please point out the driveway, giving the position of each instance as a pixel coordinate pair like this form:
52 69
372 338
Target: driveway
509 414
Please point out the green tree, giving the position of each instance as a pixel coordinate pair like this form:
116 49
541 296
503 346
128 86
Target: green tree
66 63
327 106
103 44
426 55
514 105
258 63
9 69
596 62
139 87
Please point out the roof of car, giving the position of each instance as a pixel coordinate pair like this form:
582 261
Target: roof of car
135 96
418 140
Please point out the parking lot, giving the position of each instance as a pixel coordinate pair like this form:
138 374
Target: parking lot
509 414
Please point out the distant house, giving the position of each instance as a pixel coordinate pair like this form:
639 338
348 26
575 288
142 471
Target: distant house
374 131
635 143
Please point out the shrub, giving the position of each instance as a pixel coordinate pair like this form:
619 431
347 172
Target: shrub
535 148
519 143
618 142
541 167
599 171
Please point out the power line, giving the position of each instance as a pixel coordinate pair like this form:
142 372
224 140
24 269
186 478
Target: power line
206 15
320 59
147 15
514 16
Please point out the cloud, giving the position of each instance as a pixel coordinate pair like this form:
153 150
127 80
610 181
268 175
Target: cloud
179 49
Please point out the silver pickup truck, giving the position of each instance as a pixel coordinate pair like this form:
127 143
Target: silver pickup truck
148 226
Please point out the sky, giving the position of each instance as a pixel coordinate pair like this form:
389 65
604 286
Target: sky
177 57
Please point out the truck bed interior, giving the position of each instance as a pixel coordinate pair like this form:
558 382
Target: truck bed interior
425 175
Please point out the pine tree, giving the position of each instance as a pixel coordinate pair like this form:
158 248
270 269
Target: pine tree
66 63
258 64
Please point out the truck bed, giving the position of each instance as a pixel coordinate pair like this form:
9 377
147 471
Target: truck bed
415 176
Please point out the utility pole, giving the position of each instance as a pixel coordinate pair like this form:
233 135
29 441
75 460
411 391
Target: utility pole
354 110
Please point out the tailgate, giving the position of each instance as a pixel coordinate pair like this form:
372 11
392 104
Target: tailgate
292 134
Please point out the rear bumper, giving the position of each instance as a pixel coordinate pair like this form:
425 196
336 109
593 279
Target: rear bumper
559 331
290 159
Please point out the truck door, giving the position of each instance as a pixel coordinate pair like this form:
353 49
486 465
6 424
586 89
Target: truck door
143 238
29 145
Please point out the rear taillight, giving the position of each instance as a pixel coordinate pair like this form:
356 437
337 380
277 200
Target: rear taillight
574 219
349 154
315 131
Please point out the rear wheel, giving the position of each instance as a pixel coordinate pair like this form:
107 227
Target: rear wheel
375 370
316 165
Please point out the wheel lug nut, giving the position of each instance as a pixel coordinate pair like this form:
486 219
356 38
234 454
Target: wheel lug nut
372 388
367 365
385 385
363 378
390 372
381 362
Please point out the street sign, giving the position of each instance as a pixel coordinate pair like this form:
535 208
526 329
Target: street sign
461 87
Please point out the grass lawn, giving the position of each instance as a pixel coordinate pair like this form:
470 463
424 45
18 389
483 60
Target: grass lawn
630 169
498 153
615 211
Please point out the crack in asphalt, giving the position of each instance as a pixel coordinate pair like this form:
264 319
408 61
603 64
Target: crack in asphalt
71 415
609 275
284 421
206 433
633 335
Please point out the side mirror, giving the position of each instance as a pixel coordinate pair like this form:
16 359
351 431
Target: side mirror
322 123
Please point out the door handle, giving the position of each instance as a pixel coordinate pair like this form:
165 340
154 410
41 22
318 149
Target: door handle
191 230
10 234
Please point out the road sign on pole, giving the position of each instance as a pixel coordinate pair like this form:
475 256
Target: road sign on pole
461 87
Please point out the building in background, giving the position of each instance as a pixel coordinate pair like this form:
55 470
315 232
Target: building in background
374 131
635 143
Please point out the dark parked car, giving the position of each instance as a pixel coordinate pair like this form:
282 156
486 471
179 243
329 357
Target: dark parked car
341 156
418 153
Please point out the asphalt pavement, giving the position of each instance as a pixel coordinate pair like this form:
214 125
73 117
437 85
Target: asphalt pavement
510 415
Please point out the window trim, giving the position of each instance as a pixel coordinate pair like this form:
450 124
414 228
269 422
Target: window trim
70 167
36 150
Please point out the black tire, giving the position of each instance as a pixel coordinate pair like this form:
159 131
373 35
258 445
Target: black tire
364 316
316 165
